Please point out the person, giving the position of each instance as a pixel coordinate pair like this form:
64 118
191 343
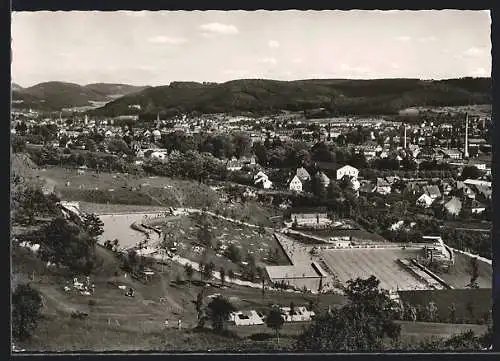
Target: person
166 323
179 324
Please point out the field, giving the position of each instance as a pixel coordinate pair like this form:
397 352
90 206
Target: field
353 263
459 276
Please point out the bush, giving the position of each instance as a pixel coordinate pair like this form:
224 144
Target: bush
233 253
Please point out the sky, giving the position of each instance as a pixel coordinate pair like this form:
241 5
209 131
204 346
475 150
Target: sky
156 48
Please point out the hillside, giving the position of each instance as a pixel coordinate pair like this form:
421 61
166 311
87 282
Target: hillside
16 87
57 95
113 91
337 96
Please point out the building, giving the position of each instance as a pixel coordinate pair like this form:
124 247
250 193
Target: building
477 207
262 180
295 184
382 187
312 217
300 314
451 153
424 201
246 318
298 276
233 165
453 206
323 178
303 174
432 191
347 170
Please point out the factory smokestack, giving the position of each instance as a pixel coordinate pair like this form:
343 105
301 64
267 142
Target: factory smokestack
404 144
466 147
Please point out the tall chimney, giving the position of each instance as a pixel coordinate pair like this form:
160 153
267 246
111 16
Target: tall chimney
404 146
466 147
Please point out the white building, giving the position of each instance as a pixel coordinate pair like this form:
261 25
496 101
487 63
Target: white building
300 314
425 201
262 180
295 184
347 170
246 318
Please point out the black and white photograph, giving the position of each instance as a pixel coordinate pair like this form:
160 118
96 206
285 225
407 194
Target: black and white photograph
251 181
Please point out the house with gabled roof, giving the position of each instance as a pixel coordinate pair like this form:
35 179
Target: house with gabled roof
303 174
262 180
424 201
382 187
347 170
234 165
367 187
453 206
323 178
295 184
477 207
432 191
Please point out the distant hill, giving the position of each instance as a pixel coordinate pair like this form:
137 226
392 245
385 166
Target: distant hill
57 95
336 96
111 91
16 87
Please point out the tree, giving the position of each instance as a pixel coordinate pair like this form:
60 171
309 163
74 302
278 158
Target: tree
18 145
359 326
189 271
261 272
90 145
275 320
474 271
218 311
208 270
199 308
26 311
470 172
233 253
222 274
231 275
93 225
205 236
64 243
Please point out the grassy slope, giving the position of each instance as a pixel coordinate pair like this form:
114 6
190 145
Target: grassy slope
140 319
